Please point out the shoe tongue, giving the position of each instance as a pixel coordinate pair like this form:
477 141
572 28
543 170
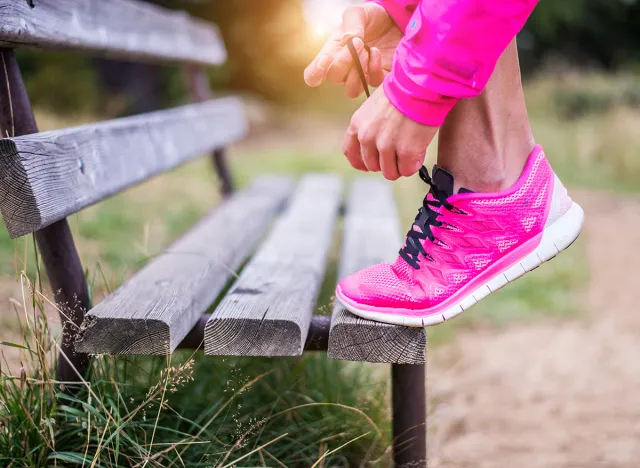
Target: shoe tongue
443 179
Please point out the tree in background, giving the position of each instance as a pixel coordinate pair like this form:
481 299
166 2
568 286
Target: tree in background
267 41
595 33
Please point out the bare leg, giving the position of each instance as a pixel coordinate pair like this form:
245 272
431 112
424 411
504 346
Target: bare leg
485 141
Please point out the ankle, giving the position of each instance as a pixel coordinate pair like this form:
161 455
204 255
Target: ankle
485 141
490 169
491 181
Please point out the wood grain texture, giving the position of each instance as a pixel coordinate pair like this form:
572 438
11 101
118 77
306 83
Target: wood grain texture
56 248
371 235
47 176
153 311
268 310
117 28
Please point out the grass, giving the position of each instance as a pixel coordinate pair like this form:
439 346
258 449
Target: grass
190 411
186 410
597 145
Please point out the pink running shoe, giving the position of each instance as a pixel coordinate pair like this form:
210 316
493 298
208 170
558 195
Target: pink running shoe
465 246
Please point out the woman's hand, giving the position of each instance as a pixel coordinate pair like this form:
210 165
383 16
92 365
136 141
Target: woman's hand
367 23
380 138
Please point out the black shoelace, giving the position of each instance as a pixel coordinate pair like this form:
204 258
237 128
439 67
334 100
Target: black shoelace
356 60
427 217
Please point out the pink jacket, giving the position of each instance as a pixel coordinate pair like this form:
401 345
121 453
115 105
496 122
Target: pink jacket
449 51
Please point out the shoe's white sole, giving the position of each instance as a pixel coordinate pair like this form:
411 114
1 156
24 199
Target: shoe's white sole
555 238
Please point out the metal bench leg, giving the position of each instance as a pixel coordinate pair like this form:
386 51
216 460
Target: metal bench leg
199 90
222 169
69 285
55 242
409 415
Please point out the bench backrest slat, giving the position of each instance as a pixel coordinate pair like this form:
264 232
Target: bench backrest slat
153 311
47 176
267 312
371 235
118 28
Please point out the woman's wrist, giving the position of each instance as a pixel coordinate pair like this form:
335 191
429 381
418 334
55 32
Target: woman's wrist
422 106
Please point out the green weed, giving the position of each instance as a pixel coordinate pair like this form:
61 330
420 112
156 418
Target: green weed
186 409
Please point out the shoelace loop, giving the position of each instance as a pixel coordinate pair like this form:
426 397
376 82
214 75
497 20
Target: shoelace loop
356 61
427 218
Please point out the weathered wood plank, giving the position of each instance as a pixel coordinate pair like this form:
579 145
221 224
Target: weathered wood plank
371 235
268 310
47 176
118 28
56 248
153 311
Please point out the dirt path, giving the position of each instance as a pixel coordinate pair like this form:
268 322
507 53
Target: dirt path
554 394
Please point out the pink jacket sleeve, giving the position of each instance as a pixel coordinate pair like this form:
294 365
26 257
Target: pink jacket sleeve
399 10
449 51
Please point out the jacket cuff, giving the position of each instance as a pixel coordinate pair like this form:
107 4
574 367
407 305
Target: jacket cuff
400 12
416 102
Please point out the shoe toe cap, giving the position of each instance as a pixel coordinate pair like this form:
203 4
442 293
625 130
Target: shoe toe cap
377 286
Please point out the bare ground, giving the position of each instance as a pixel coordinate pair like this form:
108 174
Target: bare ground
557 393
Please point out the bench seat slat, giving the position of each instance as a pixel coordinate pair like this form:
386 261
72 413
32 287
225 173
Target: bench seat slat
371 235
47 176
268 310
118 28
153 311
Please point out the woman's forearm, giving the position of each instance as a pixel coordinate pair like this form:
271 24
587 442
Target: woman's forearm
449 52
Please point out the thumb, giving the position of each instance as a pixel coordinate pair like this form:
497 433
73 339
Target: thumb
354 20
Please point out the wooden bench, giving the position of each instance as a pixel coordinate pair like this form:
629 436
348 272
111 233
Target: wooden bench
281 228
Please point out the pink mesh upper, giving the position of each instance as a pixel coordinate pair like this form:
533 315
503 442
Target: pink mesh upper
493 225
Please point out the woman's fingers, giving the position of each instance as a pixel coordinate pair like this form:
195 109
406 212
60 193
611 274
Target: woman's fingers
369 152
388 159
354 20
343 71
316 72
343 63
334 63
351 149
334 55
376 73
385 139
353 85
370 157
410 162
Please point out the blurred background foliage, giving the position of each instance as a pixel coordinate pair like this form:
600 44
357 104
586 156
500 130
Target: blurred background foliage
269 43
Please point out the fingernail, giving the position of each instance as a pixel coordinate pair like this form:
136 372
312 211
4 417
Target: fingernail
417 166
